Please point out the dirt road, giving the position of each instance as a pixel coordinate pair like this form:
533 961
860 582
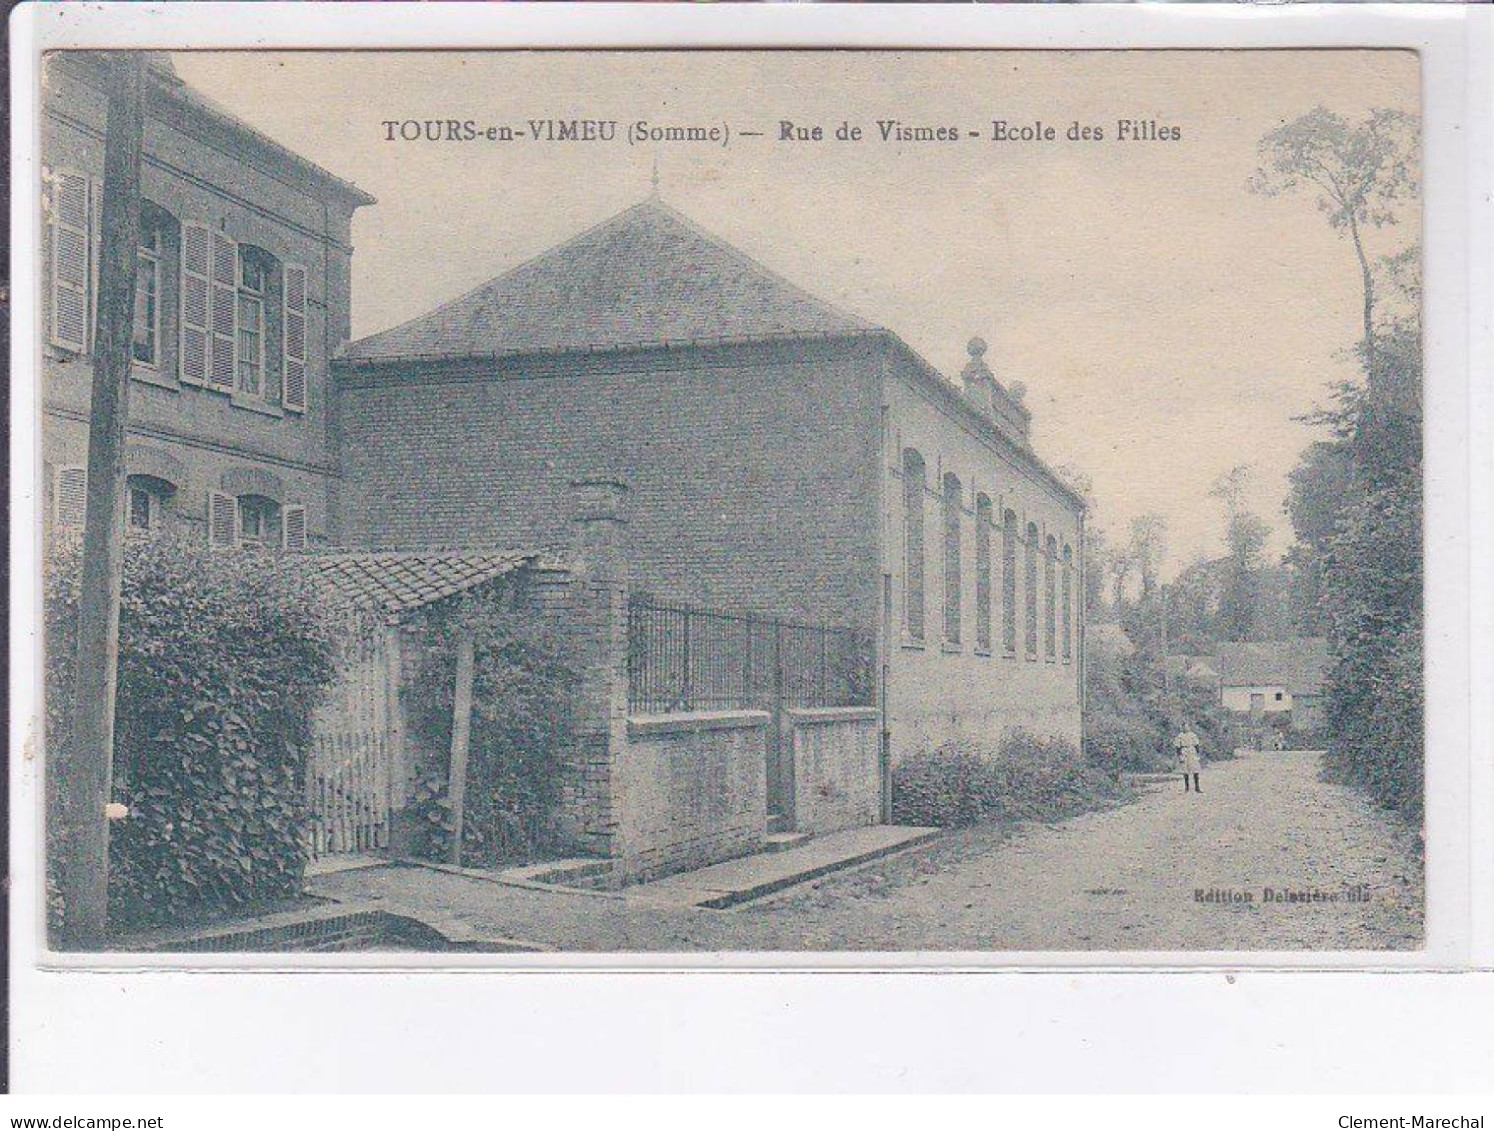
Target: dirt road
1169 871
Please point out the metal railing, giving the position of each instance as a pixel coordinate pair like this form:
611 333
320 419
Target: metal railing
683 658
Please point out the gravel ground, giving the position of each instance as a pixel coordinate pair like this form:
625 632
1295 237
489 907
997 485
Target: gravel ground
1125 878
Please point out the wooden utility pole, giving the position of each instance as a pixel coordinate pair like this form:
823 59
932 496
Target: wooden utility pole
83 767
461 735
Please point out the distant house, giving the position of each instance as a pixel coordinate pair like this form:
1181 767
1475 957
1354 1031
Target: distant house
1274 678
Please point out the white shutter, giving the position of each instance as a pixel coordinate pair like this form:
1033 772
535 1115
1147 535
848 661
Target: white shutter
196 283
72 254
293 380
70 496
223 312
293 529
223 521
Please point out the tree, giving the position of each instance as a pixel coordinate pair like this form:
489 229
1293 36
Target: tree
1357 498
1148 548
1359 173
1241 589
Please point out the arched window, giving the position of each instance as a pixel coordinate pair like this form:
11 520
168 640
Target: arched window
1068 603
1050 599
913 491
1030 586
983 524
146 499
259 521
1009 583
952 590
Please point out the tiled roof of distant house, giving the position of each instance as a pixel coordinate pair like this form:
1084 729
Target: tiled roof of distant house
649 276
397 582
1297 664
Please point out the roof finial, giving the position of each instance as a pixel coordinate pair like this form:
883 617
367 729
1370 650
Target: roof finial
654 179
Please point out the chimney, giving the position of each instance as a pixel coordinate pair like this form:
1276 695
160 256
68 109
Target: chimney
976 377
597 511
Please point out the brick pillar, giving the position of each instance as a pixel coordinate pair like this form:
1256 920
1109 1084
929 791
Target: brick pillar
597 612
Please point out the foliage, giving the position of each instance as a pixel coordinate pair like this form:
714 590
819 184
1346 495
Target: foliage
1357 498
221 660
1027 778
1129 721
523 723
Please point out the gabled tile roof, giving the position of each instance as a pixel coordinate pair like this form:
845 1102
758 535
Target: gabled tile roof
648 276
397 582
1298 664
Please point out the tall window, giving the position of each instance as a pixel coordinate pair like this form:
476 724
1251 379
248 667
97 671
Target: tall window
1050 598
1030 586
1068 603
1009 583
913 490
253 288
146 345
982 574
952 593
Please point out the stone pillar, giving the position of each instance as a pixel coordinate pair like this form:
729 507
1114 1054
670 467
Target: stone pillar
598 626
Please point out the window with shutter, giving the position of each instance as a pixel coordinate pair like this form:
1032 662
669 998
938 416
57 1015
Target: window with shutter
293 529
223 312
70 496
223 521
293 391
72 254
196 284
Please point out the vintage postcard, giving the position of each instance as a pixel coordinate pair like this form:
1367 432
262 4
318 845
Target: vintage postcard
619 502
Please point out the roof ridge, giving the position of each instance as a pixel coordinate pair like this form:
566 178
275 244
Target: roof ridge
545 253
653 211
742 257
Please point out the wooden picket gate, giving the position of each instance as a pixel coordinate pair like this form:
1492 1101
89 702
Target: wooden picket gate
348 786
350 775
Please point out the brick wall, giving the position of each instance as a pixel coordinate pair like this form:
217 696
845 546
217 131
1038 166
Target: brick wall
689 790
837 769
751 470
939 690
205 433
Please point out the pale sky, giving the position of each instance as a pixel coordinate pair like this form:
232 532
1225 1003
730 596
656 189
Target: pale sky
1168 324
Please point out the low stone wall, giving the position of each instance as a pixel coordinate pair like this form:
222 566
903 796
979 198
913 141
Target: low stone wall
837 769
689 789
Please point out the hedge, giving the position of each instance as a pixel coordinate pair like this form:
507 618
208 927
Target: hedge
221 660
1027 778
523 725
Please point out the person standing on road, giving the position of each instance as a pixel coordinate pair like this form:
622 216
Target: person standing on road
1186 744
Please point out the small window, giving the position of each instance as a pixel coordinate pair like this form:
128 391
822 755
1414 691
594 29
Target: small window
1278 697
142 510
259 521
146 498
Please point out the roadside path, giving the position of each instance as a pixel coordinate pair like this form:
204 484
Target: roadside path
1125 878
